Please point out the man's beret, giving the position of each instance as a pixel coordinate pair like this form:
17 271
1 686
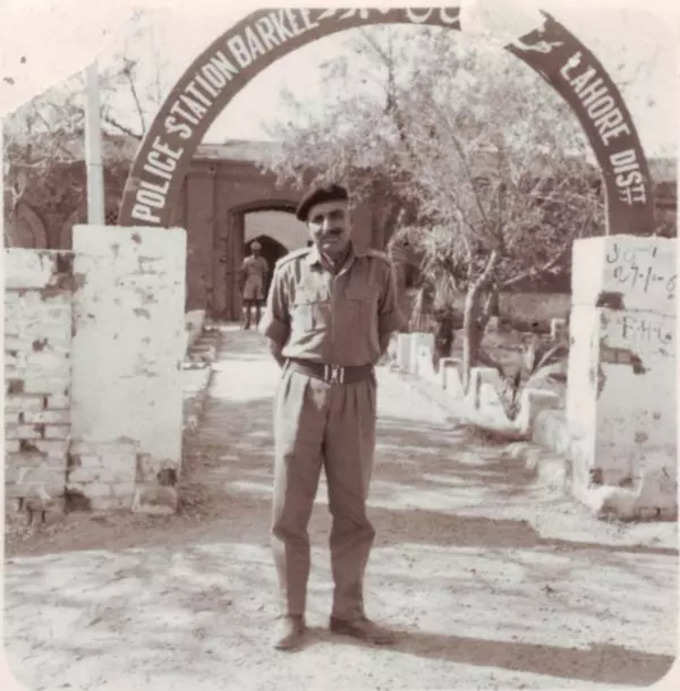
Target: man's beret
317 195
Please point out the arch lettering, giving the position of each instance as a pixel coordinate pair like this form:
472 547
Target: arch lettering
242 52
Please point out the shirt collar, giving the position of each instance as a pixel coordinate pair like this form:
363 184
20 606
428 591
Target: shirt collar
314 258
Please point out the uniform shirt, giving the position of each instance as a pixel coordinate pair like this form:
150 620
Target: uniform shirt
336 319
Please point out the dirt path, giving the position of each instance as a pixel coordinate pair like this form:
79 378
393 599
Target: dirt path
495 581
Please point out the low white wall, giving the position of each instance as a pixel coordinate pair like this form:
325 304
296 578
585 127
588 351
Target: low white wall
482 404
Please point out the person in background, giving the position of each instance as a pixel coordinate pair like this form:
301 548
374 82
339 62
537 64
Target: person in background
253 280
330 312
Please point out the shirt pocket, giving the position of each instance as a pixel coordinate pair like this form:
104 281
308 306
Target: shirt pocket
358 303
311 310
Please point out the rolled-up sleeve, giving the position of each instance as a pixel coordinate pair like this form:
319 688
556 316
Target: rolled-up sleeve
275 323
390 317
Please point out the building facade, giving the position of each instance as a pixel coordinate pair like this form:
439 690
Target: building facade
225 188
228 199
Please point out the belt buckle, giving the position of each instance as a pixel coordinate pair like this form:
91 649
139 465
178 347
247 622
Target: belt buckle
334 374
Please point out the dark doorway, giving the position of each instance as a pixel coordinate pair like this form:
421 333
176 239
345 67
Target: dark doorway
274 226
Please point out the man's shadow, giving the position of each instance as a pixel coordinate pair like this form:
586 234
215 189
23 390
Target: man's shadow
599 663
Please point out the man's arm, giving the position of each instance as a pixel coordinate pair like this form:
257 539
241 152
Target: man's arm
275 323
242 276
390 318
384 342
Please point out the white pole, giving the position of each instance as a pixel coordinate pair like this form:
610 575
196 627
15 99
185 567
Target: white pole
2 182
93 150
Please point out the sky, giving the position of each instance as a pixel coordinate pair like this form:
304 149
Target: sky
43 41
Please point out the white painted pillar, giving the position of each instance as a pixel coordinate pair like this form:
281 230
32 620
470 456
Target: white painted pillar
621 396
2 179
419 339
403 351
128 347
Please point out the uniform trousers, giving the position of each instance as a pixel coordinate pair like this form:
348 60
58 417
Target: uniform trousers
330 424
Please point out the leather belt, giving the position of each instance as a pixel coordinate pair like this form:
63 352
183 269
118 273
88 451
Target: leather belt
332 374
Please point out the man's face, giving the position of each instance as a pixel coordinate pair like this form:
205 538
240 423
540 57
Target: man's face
329 228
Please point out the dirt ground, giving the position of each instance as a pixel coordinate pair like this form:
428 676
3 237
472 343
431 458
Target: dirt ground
491 576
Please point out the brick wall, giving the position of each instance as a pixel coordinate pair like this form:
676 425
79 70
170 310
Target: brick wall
94 339
37 350
101 475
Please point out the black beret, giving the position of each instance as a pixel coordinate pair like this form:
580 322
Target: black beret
317 195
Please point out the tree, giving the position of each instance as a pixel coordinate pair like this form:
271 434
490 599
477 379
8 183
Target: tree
44 159
134 80
43 139
505 174
351 138
37 136
493 160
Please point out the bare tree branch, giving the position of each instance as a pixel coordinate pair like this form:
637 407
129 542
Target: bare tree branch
371 42
533 272
128 72
120 127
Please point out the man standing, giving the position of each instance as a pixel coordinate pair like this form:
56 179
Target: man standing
329 317
253 277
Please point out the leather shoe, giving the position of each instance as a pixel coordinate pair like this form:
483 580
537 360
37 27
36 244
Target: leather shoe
364 629
289 632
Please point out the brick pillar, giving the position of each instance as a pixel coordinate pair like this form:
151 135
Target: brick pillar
621 396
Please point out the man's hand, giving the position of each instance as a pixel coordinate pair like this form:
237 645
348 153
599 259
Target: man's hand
384 342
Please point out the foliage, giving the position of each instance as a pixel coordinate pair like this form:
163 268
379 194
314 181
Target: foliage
38 137
43 139
538 356
44 161
542 364
441 273
493 162
503 171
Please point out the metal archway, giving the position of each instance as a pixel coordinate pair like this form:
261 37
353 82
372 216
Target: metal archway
242 52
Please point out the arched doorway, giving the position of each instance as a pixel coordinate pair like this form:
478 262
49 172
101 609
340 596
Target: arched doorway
279 224
232 60
273 224
278 231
